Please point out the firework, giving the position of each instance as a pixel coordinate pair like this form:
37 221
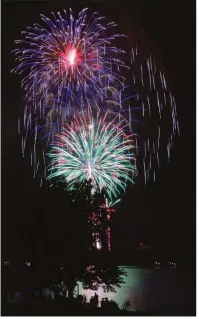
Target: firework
68 65
75 60
156 122
94 148
100 222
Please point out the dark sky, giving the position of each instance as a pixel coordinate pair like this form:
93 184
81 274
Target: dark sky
163 213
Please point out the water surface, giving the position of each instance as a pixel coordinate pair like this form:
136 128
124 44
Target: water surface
164 291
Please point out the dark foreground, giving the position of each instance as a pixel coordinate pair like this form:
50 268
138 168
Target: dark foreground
53 309
57 309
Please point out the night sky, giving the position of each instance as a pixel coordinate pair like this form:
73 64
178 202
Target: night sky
162 214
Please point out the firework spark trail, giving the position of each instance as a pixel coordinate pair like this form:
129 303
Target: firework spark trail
158 108
92 147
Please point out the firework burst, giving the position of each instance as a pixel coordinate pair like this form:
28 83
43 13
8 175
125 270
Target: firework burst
95 148
75 60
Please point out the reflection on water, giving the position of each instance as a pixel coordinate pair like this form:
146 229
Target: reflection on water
166 291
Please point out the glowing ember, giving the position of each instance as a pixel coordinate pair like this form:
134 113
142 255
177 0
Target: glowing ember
71 56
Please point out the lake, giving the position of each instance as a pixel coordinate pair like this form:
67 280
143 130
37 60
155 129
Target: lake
164 291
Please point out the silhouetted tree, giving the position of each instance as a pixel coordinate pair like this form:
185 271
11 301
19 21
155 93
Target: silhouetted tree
107 277
92 277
